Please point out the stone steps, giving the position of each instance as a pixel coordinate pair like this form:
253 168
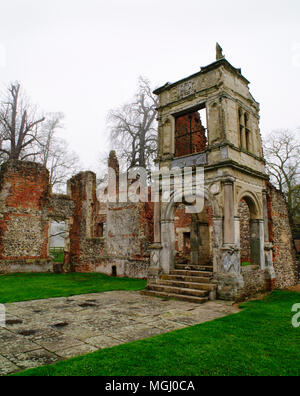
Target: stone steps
208 268
186 298
186 285
191 273
170 289
185 278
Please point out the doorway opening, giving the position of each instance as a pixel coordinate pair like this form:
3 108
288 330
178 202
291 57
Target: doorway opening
193 236
249 233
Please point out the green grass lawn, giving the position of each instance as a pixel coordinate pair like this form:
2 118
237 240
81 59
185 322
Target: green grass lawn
260 340
246 264
58 255
24 287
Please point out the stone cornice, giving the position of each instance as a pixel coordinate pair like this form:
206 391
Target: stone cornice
204 70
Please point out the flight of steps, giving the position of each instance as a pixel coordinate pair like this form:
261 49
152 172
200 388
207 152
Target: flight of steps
186 282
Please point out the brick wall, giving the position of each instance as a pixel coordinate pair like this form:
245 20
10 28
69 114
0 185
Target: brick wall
23 227
184 145
26 207
85 248
244 214
284 258
255 281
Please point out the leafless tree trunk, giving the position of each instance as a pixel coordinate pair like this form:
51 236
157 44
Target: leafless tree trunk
19 125
133 128
55 155
282 152
25 136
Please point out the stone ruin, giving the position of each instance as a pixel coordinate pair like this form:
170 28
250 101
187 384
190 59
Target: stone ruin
27 207
240 244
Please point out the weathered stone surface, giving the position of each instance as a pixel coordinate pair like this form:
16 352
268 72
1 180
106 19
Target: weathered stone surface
284 257
245 219
254 281
92 322
124 249
235 186
7 367
26 208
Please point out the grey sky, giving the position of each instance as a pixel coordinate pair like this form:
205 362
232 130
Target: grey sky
84 57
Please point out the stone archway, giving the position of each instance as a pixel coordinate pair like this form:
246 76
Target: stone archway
251 231
205 231
193 236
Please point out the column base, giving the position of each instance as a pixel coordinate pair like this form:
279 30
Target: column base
155 270
231 258
230 286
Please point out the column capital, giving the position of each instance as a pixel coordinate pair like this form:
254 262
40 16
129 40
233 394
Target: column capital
228 180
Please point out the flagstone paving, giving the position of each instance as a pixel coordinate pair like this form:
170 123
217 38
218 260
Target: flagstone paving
45 331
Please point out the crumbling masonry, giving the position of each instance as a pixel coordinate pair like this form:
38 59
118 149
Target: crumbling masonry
113 239
239 245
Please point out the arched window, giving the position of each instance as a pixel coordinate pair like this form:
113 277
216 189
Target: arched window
242 128
245 132
248 133
191 133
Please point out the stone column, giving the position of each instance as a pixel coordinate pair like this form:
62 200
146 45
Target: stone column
229 279
262 243
157 230
229 238
218 242
168 246
237 231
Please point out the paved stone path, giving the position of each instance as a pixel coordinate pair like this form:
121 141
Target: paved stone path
45 331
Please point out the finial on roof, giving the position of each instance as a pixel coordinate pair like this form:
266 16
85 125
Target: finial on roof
219 52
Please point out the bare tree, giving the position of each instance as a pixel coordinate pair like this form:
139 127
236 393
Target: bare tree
282 152
20 125
54 153
57 233
133 128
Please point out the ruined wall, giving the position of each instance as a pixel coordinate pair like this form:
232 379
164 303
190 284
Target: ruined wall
254 280
85 248
129 235
26 207
284 260
128 232
112 238
23 224
182 224
244 214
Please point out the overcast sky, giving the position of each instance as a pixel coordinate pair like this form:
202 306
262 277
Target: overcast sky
83 57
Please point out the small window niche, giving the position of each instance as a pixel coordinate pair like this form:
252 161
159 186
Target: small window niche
191 133
245 132
58 236
100 230
114 272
